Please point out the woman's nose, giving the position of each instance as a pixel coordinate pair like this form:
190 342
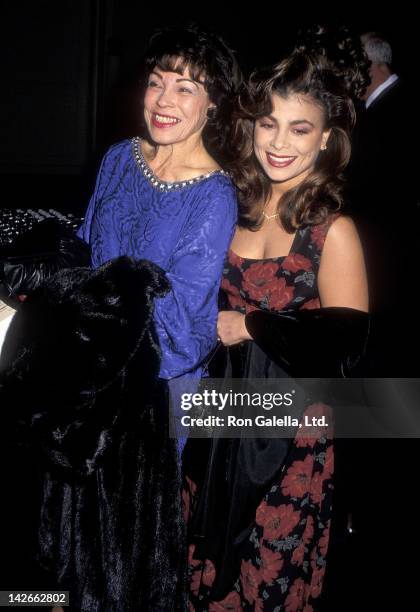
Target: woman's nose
165 98
280 140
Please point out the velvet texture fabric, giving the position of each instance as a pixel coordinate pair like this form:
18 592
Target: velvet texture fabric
235 474
339 335
79 366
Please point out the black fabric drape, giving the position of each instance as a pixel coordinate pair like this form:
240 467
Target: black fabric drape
79 386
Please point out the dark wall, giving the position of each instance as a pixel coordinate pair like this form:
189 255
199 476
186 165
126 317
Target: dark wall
48 107
51 102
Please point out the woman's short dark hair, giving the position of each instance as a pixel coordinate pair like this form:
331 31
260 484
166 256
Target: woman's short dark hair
210 61
331 70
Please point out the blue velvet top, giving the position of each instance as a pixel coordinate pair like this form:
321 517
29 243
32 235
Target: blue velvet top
184 227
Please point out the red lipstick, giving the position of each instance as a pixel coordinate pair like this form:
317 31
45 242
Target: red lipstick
164 124
279 161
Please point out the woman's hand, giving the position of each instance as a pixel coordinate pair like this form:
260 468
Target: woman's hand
231 327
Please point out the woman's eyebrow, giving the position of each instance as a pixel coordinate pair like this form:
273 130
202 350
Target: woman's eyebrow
296 121
178 80
271 117
189 81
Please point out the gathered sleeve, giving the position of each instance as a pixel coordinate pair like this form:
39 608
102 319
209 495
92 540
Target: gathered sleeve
186 317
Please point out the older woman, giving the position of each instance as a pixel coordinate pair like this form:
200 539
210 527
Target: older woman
165 197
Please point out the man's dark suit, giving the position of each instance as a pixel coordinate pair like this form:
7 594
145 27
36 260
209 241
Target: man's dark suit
383 199
373 476
383 190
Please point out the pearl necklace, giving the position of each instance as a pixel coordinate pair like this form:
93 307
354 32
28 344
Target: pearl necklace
166 185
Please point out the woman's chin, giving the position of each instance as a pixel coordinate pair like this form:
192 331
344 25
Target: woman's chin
165 136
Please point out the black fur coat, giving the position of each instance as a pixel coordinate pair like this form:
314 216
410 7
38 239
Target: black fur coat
79 380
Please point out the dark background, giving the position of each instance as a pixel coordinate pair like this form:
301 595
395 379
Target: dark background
68 91
69 73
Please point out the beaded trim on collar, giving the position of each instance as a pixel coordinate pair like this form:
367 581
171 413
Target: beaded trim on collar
165 185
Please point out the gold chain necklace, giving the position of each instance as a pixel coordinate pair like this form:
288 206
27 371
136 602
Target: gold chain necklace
268 217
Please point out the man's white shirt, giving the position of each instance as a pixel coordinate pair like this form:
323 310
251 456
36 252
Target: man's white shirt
390 80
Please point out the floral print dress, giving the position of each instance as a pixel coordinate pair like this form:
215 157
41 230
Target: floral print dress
283 561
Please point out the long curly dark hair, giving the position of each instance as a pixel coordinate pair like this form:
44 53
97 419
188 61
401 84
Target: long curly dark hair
211 62
330 68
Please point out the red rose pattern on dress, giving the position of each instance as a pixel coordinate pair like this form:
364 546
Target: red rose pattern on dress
283 563
231 602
